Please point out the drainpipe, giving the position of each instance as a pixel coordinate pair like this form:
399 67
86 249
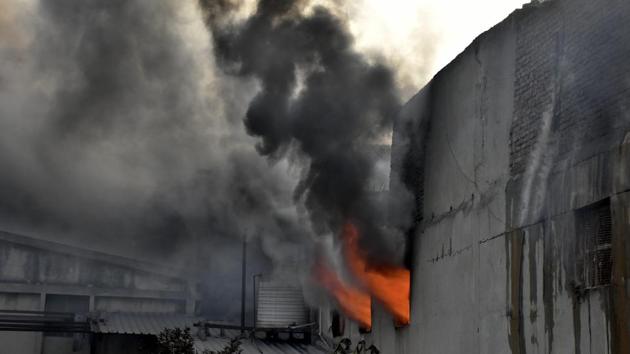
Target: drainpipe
243 285
254 297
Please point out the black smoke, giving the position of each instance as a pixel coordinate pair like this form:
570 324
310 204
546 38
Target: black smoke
320 102
117 134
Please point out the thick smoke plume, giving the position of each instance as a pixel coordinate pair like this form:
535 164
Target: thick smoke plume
115 126
321 103
119 133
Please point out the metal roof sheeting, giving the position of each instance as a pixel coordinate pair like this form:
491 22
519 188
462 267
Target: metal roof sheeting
256 346
218 339
141 323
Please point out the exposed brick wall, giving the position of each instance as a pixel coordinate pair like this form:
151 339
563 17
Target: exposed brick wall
572 60
594 71
537 29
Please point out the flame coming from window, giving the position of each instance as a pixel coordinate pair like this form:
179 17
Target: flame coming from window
355 303
388 284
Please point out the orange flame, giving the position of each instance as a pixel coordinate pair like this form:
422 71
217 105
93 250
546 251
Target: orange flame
390 285
354 303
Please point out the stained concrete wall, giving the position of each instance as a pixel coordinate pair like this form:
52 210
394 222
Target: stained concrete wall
30 261
459 252
502 148
39 275
20 342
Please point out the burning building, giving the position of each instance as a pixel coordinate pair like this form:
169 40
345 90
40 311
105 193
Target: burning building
518 157
503 228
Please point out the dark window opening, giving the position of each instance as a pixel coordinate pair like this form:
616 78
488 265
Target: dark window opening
338 325
594 245
71 304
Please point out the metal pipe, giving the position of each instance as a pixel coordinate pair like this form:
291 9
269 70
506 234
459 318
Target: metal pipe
311 324
255 297
249 328
243 284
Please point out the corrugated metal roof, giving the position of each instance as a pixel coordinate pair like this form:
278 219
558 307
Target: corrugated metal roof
218 339
257 346
141 323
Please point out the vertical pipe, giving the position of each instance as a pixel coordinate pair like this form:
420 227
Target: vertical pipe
255 299
243 284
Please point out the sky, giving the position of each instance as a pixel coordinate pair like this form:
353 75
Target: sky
417 37
422 36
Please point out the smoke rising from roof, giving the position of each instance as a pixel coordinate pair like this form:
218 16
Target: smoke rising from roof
320 101
121 129
118 134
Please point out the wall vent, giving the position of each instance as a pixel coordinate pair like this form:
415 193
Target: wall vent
594 245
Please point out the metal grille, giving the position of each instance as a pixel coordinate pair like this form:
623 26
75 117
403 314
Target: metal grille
280 305
603 253
594 261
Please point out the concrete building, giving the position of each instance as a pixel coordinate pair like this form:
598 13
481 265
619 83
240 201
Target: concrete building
121 301
519 156
59 299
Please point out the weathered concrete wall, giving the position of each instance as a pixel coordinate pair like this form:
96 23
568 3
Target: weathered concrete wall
20 342
551 311
509 143
118 304
112 283
459 251
40 275
570 117
23 263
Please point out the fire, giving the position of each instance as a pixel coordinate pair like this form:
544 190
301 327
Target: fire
388 284
355 303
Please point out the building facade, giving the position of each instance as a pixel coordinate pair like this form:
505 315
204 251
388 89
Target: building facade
518 155
59 299
114 296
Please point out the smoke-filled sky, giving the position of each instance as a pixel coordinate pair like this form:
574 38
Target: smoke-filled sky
419 37
423 35
152 129
122 87
120 130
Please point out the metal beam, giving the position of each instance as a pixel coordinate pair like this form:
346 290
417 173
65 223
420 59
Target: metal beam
92 291
80 253
37 321
47 329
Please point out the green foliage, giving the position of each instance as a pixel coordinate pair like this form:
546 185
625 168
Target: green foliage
234 347
176 341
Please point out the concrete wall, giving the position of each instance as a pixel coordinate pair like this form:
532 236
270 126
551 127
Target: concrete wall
459 251
503 148
44 276
20 342
31 264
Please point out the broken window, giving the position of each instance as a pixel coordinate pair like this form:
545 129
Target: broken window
338 324
594 245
